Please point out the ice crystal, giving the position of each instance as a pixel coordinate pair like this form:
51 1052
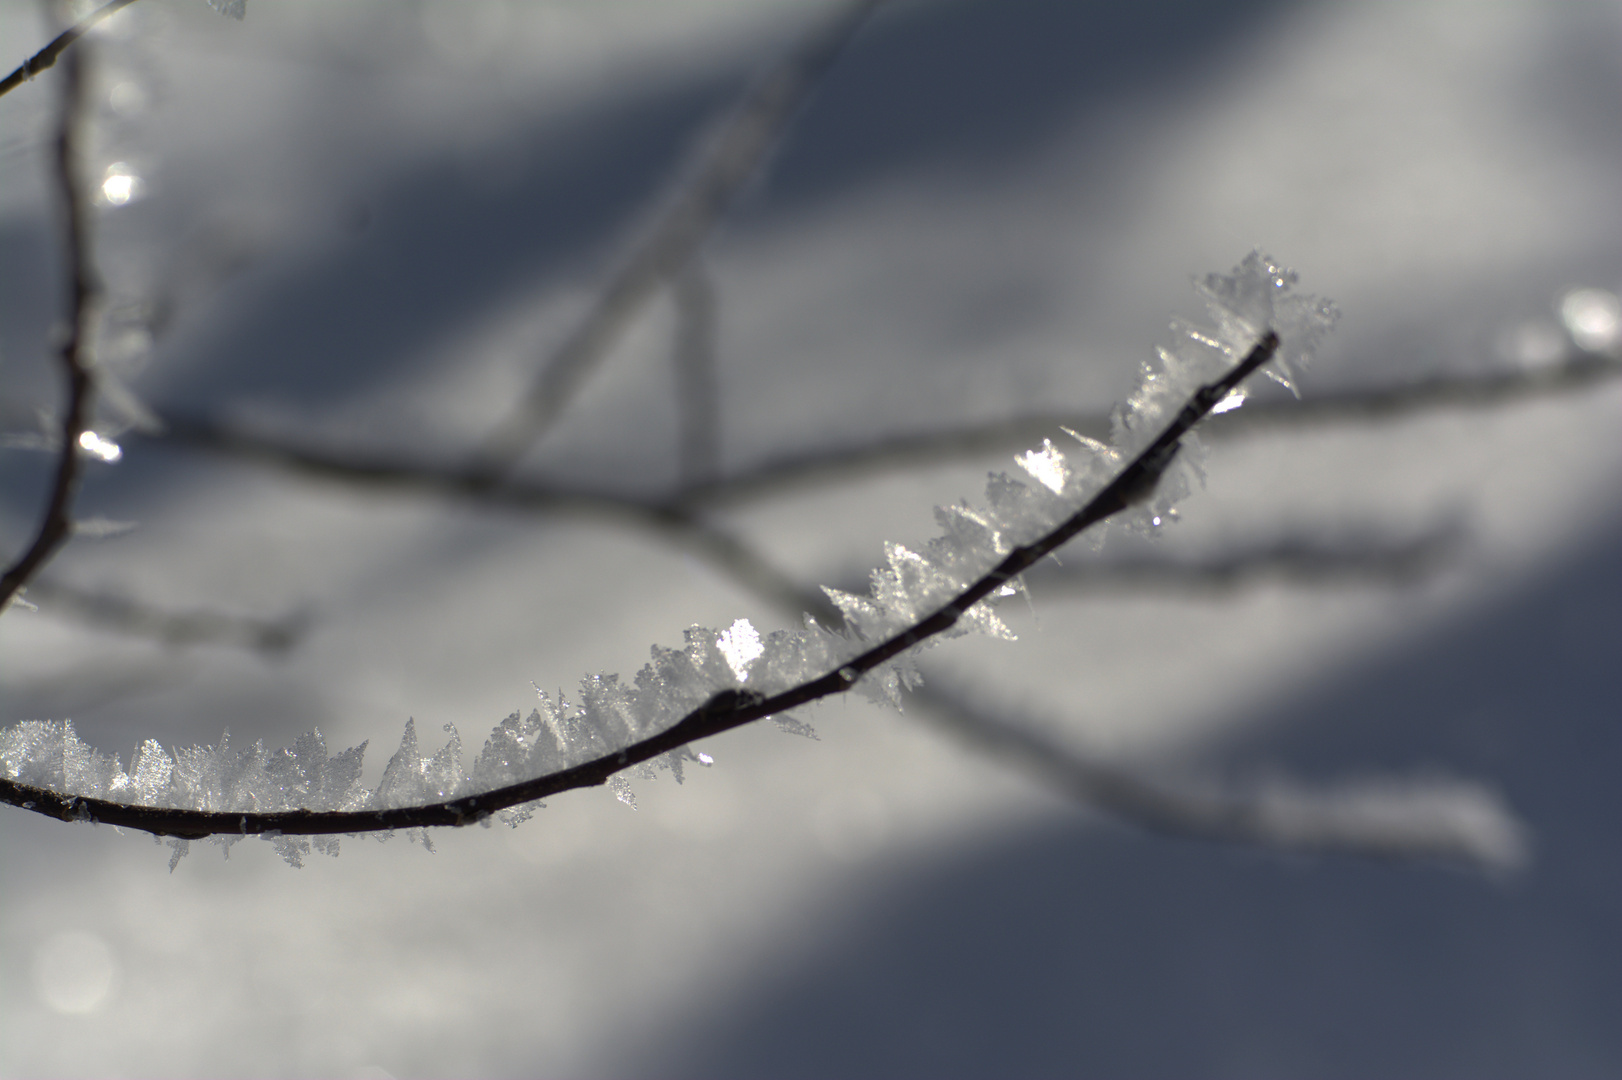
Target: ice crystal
610 714
1047 465
740 644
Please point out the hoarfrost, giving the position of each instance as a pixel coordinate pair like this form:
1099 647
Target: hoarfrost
609 715
740 644
1047 465
786 722
622 790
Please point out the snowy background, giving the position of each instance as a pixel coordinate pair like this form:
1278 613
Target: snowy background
364 223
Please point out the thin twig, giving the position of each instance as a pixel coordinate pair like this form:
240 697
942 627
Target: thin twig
47 56
199 627
1484 390
56 525
1477 390
1377 817
775 476
1296 559
723 712
685 528
698 396
1293 558
733 159
889 453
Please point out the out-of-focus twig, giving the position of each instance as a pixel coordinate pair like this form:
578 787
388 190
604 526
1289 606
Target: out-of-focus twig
1299 560
1295 559
773 477
198 627
968 441
670 524
1292 558
888 453
698 396
1477 390
1380 816
733 159
56 524
47 56
918 450
1377 816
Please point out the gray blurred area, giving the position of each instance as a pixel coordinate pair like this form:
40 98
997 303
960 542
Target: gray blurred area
360 228
1070 950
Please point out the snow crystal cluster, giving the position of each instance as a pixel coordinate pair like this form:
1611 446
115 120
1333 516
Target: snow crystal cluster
609 714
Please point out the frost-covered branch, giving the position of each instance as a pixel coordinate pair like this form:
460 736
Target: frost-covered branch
1379 817
731 161
56 523
47 57
1449 819
716 683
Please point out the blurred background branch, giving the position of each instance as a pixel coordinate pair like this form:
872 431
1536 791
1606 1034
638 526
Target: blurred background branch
730 163
56 521
117 613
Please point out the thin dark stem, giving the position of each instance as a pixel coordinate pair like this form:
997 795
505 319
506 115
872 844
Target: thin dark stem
1479 390
128 616
734 158
56 525
893 452
1453 821
1484 390
698 395
775 477
724 711
685 527
47 56
1296 559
